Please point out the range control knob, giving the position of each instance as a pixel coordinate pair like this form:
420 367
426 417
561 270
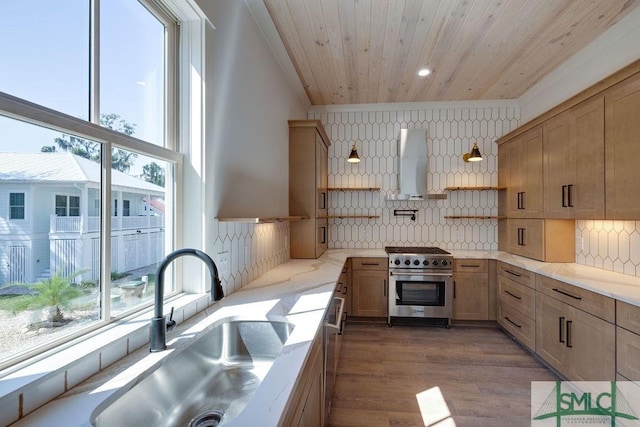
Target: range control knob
444 262
396 262
425 262
407 262
416 262
435 262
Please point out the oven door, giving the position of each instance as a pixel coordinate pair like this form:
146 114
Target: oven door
413 294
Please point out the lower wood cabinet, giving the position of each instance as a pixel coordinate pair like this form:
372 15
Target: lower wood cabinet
471 289
580 346
628 341
306 407
516 303
369 283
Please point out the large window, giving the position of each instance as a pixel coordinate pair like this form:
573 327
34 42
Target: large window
80 108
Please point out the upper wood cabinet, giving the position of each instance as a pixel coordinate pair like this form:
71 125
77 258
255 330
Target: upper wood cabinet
525 189
573 152
308 176
622 149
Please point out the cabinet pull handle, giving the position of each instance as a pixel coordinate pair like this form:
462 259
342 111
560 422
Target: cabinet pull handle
521 237
564 200
560 291
569 196
454 289
512 322
524 200
384 287
470 265
519 200
569 322
512 295
370 263
324 235
513 273
323 203
344 290
560 324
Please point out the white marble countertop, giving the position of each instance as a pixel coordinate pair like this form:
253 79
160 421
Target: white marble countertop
298 291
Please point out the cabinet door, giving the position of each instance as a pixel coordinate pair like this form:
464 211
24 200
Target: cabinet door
592 345
470 296
627 349
586 196
622 149
559 166
525 175
322 170
369 293
526 238
551 336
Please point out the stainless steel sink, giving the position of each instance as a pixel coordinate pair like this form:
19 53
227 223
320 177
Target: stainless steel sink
207 384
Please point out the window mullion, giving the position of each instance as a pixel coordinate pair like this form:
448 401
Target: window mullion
105 231
94 66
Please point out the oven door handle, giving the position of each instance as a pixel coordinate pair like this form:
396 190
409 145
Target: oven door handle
409 273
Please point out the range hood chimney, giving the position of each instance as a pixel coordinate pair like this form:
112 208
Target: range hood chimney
412 157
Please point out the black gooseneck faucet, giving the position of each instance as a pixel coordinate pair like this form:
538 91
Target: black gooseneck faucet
159 325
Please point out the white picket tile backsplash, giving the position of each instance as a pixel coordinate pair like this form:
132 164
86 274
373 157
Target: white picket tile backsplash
451 132
610 245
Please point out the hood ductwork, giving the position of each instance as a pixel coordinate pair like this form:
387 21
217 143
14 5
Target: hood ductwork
412 157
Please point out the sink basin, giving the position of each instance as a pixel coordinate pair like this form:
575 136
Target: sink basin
207 384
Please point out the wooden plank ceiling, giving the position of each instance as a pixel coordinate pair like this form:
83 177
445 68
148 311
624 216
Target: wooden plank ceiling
369 51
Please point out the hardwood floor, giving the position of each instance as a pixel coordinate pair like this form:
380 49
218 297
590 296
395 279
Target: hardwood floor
463 376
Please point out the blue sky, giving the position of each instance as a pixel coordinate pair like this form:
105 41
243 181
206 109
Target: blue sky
44 58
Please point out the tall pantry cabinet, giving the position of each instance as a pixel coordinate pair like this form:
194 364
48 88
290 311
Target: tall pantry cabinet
308 181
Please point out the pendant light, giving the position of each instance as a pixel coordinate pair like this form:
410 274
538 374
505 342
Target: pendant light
474 155
353 157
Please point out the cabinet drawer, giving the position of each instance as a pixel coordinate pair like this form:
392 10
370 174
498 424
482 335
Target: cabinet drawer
518 325
628 354
519 297
628 316
517 274
369 263
590 302
471 265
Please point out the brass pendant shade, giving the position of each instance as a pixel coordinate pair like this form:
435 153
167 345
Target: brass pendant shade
474 155
353 157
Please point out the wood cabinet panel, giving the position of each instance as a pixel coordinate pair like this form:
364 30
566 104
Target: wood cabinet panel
551 336
573 152
591 302
471 265
521 298
521 327
369 287
550 240
628 354
517 274
470 296
628 316
525 190
622 149
308 179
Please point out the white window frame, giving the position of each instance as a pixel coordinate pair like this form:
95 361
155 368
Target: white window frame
20 109
24 206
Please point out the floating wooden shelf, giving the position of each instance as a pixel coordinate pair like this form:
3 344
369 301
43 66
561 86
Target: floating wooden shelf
473 188
350 216
264 220
474 217
353 189
437 196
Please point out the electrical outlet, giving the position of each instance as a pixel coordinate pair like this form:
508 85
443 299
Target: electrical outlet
223 264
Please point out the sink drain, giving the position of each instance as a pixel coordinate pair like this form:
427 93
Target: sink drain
207 419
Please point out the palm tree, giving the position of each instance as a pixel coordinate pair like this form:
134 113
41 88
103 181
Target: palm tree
54 292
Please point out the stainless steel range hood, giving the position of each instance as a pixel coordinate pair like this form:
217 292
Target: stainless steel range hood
412 158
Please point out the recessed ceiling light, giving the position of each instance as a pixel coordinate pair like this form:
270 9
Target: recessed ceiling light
424 72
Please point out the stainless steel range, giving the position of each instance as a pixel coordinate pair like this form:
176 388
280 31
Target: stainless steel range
420 285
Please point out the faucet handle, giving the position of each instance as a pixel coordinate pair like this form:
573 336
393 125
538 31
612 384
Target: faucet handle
171 323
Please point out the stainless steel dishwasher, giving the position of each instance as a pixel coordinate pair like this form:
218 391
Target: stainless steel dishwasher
333 322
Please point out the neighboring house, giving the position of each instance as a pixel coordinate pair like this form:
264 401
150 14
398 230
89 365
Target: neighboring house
50 223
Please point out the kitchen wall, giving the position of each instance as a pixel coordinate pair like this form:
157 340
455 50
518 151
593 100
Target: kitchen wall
451 128
248 100
610 245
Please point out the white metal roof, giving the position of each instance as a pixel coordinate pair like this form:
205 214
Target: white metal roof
64 168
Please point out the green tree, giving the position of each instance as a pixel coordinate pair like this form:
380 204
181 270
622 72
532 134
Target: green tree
121 160
153 173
